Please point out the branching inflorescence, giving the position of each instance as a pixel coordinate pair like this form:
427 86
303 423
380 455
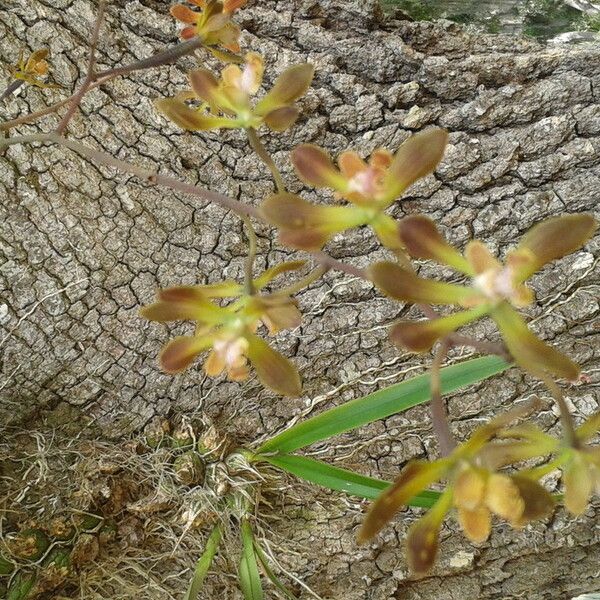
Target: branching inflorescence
230 317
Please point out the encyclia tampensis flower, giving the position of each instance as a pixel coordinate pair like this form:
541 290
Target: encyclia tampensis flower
228 102
228 331
369 188
212 23
474 488
496 290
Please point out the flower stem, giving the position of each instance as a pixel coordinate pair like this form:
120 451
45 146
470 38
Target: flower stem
299 285
249 265
264 155
565 414
91 74
439 414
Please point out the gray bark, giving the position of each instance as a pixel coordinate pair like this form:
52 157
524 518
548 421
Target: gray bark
82 247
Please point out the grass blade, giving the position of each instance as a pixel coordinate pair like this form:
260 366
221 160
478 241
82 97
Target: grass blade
248 572
264 561
203 564
341 480
381 404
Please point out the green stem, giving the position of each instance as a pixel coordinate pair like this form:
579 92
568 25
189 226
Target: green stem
313 276
264 155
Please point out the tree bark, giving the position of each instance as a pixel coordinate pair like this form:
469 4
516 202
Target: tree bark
83 247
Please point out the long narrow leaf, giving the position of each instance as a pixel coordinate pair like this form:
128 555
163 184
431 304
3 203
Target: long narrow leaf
248 573
381 404
264 561
203 564
342 480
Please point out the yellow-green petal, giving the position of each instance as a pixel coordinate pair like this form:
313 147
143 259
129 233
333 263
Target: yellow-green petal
554 238
274 370
289 86
417 157
422 540
401 284
181 352
531 353
420 336
415 477
190 119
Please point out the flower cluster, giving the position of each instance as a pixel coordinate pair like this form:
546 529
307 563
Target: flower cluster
475 489
229 331
34 69
496 289
227 103
212 23
370 188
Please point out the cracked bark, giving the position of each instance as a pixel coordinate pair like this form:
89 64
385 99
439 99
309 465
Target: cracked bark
525 139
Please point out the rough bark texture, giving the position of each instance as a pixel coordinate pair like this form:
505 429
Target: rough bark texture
82 247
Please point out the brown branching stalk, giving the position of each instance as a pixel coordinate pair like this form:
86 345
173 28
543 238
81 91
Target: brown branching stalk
439 413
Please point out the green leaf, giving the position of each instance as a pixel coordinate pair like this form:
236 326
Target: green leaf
381 404
203 564
248 571
341 480
264 561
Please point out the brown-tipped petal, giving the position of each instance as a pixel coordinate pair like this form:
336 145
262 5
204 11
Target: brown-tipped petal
417 157
198 309
315 167
420 336
556 237
531 353
289 86
423 240
274 371
480 258
476 523
403 285
187 118
469 489
538 501
165 311
422 541
181 352
304 239
205 86
282 118
183 13
200 293
416 476
578 482
503 497
282 315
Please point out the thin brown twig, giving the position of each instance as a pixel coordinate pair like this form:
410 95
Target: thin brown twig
159 59
249 264
439 414
146 175
91 70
